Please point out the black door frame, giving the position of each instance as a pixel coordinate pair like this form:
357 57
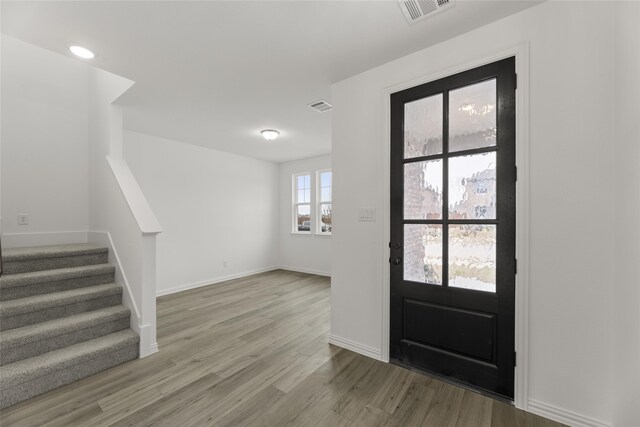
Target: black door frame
518 316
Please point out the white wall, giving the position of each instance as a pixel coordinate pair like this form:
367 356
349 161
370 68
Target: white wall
213 206
572 175
301 252
626 286
44 168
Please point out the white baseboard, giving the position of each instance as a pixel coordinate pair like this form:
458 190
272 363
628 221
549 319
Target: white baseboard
153 348
365 350
199 284
305 270
562 415
23 240
147 346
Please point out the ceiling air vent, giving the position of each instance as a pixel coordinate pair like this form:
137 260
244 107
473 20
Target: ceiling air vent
417 10
320 106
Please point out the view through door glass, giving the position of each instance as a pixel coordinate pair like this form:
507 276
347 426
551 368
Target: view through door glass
452 248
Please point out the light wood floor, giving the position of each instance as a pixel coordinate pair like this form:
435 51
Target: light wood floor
254 351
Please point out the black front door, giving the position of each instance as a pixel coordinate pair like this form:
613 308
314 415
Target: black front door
452 249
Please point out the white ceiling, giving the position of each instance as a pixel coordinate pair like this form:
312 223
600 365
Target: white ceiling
214 73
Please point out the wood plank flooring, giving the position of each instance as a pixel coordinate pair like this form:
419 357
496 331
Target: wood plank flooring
254 352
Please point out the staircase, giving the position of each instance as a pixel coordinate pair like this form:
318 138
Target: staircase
61 319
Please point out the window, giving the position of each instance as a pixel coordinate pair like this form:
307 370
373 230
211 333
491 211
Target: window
324 202
302 203
312 209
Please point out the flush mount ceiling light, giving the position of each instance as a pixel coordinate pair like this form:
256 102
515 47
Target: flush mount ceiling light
270 134
81 52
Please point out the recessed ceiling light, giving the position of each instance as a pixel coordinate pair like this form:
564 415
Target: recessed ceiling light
270 134
81 52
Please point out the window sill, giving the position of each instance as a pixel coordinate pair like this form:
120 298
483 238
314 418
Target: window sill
309 234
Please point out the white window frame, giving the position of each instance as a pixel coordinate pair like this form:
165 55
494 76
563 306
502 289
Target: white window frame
320 202
296 203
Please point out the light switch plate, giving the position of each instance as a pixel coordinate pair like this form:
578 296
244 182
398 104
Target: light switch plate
366 214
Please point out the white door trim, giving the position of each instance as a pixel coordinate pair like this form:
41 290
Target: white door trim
521 53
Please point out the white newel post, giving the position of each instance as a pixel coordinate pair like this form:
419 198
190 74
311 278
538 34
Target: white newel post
148 343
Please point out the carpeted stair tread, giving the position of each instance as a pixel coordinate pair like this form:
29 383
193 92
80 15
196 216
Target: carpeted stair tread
65 358
39 258
33 340
57 275
54 251
73 296
27 284
57 327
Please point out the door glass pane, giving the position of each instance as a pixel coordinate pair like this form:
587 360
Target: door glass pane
423 127
423 190
472 186
423 253
472 257
472 116
303 213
